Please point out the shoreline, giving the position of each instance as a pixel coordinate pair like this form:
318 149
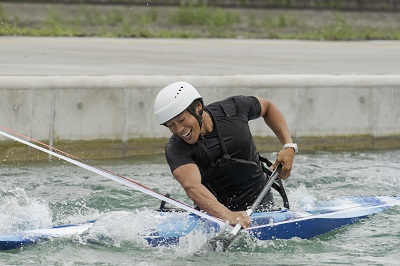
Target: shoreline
13 152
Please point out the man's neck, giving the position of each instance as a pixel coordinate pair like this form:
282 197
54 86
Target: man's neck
207 126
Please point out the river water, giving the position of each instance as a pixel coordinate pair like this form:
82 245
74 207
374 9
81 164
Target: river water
41 194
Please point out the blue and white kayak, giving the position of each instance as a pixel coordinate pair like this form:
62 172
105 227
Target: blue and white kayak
282 224
27 237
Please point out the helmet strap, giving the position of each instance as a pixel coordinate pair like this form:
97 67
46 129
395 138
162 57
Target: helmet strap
199 116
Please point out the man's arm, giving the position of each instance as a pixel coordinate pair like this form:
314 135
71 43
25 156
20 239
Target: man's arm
276 121
189 177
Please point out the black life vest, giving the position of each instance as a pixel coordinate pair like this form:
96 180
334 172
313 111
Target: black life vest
236 183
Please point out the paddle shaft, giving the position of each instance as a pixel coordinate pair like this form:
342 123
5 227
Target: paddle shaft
260 197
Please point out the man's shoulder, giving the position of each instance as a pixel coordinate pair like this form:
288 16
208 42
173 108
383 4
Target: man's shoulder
175 140
175 143
233 105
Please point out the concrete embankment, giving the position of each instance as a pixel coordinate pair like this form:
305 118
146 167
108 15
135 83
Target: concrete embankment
111 116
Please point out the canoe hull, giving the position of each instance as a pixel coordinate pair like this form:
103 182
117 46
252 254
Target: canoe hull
283 224
286 224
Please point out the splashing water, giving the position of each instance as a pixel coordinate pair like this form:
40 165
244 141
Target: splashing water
20 212
123 228
118 227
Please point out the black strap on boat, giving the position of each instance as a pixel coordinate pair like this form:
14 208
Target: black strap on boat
277 185
168 209
162 205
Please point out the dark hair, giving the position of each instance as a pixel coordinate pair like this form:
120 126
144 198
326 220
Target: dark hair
193 105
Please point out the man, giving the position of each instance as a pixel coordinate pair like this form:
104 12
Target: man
212 154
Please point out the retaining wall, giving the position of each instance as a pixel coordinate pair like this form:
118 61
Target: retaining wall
119 108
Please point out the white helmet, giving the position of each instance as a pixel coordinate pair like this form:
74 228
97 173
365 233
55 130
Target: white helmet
173 100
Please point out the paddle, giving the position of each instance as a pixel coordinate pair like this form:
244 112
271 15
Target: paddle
120 179
221 243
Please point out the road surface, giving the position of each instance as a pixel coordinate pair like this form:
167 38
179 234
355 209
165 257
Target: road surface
47 56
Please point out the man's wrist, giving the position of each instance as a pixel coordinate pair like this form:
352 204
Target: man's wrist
291 145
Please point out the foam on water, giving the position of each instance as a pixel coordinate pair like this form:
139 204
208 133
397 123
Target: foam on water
301 198
117 227
19 212
128 228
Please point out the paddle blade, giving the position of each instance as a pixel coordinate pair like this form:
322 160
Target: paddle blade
221 243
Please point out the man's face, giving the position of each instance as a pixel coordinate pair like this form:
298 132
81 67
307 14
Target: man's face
185 126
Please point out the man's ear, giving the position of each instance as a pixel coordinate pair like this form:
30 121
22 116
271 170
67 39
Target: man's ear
199 108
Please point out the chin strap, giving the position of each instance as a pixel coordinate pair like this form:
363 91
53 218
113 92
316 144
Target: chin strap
199 116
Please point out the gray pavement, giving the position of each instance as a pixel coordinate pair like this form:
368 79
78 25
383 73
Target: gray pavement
42 56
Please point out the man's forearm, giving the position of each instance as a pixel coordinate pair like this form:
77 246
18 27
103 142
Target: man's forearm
206 201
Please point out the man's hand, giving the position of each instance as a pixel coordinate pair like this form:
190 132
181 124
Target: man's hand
239 217
285 158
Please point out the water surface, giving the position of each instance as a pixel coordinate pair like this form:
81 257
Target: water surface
41 194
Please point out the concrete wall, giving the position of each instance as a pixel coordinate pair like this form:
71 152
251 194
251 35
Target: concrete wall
120 107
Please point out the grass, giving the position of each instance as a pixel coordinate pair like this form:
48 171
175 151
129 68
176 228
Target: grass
187 22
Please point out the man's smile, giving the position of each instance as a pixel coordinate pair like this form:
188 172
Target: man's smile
187 134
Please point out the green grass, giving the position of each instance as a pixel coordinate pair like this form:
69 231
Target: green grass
204 16
185 22
341 30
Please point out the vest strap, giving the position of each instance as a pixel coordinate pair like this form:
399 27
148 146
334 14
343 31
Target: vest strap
277 185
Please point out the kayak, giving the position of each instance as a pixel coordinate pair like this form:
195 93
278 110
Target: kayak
305 223
27 237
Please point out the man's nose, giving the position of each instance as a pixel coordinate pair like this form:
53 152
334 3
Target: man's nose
180 128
